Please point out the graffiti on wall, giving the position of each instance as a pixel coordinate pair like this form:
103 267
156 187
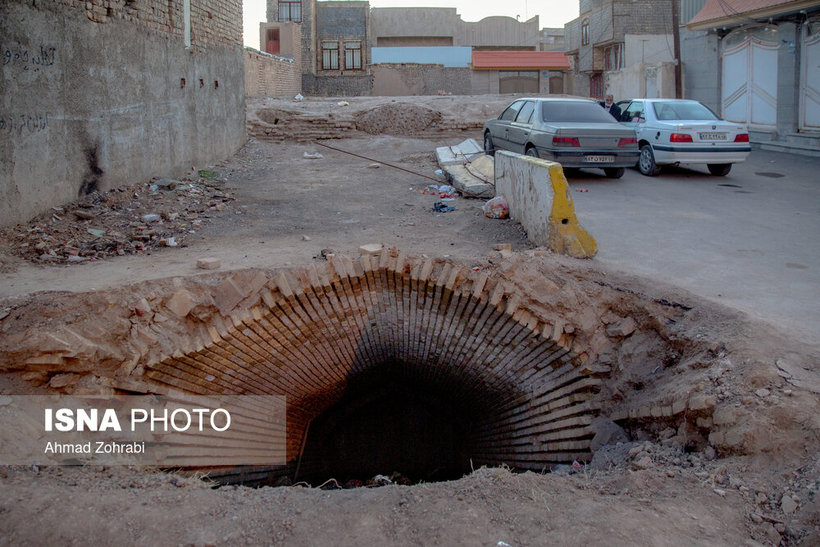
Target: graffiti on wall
23 124
24 59
21 58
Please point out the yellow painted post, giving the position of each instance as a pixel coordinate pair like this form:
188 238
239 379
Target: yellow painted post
566 235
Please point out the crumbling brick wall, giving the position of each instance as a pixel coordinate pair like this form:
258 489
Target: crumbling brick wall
337 86
101 93
212 21
391 79
271 76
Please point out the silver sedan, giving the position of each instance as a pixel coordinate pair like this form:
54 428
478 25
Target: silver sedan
573 132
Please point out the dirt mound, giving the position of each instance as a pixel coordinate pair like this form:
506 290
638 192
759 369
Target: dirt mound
398 119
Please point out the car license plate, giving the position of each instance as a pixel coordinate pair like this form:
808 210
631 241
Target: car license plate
599 159
713 136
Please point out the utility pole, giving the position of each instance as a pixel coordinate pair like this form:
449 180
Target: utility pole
676 41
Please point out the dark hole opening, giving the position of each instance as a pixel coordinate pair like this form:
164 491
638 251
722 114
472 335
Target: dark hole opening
403 429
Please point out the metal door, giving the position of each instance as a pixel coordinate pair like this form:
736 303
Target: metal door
518 82
749 81
810 77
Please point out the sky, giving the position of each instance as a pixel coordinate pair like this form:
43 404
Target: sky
551 13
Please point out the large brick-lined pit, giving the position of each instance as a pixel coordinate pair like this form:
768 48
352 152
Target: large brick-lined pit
468 349
392 363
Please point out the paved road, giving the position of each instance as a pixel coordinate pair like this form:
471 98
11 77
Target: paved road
750 240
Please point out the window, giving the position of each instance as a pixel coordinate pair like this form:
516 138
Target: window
679 110
526 112
596 85
272 41
512 111
290 11
585 32
330 55
353 55
578 111
614 57
633 113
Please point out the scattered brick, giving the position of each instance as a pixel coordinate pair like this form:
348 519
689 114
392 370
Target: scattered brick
208 263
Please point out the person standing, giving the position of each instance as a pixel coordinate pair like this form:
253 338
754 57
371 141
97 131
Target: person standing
610 106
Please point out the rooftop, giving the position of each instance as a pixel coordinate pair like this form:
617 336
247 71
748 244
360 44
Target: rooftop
731 12
520 60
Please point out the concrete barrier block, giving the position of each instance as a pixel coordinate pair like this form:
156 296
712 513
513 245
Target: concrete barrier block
539 198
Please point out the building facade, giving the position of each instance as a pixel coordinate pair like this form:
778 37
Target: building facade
757 63
101 96
622 47
551 39
504 54
333 43
443 27
348 48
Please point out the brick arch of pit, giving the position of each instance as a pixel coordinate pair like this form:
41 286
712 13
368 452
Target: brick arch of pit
313 332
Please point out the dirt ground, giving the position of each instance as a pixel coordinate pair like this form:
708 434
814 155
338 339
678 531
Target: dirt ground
614 502
269 206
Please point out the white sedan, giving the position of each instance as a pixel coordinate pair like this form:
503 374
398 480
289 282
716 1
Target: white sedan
673 131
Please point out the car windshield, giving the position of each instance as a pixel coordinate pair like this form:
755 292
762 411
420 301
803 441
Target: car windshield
674 110
574 111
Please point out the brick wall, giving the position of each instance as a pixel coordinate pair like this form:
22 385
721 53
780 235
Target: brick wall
337 86
642 17
340 22
308 38
271 76
118 94
701 76
341 19
414 26
392 79
212 21
613 19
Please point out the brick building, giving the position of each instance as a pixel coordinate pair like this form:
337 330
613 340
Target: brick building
495 55
623 47
332 46
101 94
551 39
347 48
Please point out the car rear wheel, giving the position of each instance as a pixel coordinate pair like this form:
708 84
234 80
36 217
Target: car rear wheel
719 169
489 147
614 172
646 162
531 151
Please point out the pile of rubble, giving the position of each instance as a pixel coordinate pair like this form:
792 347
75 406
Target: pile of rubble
122 221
